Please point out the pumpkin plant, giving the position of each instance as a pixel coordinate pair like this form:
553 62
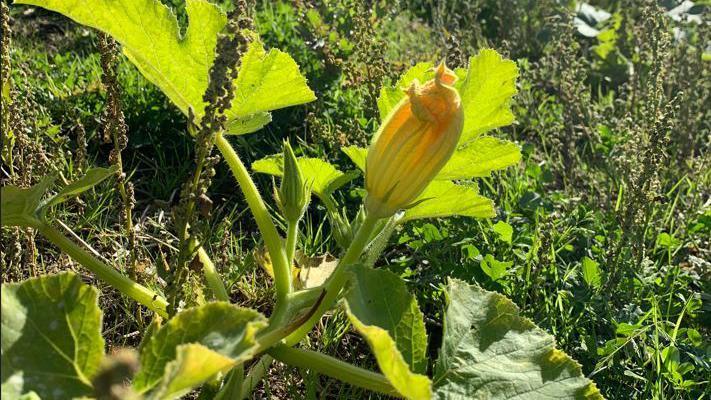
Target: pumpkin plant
431 143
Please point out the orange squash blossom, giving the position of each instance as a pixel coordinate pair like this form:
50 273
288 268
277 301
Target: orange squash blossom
412 145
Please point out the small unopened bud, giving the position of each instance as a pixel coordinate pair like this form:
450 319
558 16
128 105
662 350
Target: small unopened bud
414 142
293 196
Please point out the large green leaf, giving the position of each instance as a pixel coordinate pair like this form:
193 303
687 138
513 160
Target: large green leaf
323 177
386 314
486 89
51 337
490 352
268 81
150 36
486 93
220 327
445 199
479 158
193 365
18 207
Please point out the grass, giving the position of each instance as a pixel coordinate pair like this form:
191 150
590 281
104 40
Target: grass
609 209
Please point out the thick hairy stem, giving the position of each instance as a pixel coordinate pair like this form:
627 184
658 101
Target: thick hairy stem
282 270
105 272
337 279
334 368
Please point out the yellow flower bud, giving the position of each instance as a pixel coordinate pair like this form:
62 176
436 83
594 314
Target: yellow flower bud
413 144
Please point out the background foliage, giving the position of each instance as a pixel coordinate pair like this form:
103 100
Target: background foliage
602 232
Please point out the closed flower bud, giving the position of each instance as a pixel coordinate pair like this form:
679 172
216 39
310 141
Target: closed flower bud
413 144
293 196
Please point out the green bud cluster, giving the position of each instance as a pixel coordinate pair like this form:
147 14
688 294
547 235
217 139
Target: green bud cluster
294 194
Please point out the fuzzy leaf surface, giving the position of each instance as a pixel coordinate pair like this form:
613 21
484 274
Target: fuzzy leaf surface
479 158
220 327
490 352
446 199
51 338
387 315
486 94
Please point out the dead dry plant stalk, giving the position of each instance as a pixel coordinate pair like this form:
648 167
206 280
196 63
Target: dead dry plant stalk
218 98
115 131
648 125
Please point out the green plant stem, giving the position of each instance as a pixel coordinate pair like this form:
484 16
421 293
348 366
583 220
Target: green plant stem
255 374
337 279
334 368
282 270
214 281
292 234
105 272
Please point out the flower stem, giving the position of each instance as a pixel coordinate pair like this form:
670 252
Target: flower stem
292 235
105 272
337 279
334 368
282 270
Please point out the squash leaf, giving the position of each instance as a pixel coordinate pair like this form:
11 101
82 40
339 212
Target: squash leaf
179 66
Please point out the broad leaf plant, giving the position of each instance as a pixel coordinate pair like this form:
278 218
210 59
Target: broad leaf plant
433 119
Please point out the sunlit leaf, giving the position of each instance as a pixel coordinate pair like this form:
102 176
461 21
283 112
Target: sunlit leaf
245 125
223 328
479 158
267 81
445 199
591 272
504 230
193 365
51 338
490 352
486 88
323 177
386 314
494 268
150 36
486 94
357 155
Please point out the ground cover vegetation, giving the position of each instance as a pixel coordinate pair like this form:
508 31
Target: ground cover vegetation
587 125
